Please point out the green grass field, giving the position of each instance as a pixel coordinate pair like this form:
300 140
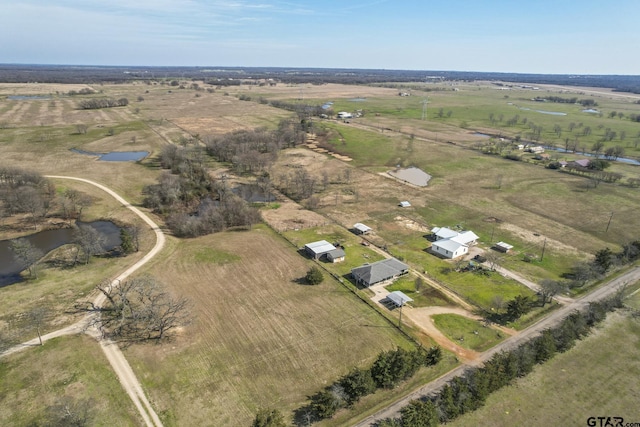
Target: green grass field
72 367
467 333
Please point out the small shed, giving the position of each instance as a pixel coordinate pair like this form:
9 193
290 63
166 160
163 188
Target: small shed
502 247
360 228
404 204
399 298
336 255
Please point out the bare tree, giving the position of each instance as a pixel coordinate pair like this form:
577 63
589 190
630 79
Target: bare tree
67 412
37 317
550 288
140 309
81 129
27 254
88 241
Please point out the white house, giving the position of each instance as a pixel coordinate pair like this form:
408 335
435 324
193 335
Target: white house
451 244
344 115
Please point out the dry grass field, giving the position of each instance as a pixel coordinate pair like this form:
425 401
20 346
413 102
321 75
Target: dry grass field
259 337
71 369
597 378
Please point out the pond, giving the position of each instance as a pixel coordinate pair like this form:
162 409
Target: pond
358 99
591 111
49 240
115 156
553 113
26 97
252 193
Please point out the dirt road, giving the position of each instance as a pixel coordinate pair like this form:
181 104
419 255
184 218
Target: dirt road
610 288
116 358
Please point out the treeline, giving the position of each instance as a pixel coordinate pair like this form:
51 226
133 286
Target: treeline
253 151
24 191
389 368
469 392
573 100
97 103
83 91
193 202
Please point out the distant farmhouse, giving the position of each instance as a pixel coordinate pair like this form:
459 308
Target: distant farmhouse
451 244
370 274
344 115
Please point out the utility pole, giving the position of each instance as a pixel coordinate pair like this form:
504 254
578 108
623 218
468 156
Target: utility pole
544 245
424 108
400 320
609 223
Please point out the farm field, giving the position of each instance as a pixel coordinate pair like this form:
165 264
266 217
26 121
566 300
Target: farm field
598 377
260 337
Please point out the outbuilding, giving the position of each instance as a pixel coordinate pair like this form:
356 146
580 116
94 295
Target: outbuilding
360 228
502 247
399 298
336 255
318 249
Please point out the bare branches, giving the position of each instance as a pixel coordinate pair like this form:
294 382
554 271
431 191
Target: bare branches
139 310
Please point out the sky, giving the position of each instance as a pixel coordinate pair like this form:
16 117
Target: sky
526 36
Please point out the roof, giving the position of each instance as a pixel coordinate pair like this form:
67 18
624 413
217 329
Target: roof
448 244
412 175
504 245
399 298
320 247
379 271
465 237
583 162
361 227
405 204
336 253
444 232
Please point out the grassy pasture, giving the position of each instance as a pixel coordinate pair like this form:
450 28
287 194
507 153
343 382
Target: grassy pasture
598 377
59 285
260 338
72 367
468 333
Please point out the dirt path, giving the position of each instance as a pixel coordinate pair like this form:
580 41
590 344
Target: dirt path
528 283
111 350
608 289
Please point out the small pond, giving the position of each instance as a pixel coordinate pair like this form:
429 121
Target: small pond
591 111
26 97
481 135
553 113
115 156
252 193
49 240
358 99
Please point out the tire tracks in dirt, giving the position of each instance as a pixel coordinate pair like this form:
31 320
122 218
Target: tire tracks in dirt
114 355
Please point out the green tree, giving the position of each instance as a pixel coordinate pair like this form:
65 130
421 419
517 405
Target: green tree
603 260
314 276
419 414
268 418
127 245
517 307
544 346
357 383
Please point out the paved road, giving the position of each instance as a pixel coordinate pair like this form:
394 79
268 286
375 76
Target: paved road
610 288
113 353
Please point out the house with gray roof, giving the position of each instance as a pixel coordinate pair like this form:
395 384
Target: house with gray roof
370 274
